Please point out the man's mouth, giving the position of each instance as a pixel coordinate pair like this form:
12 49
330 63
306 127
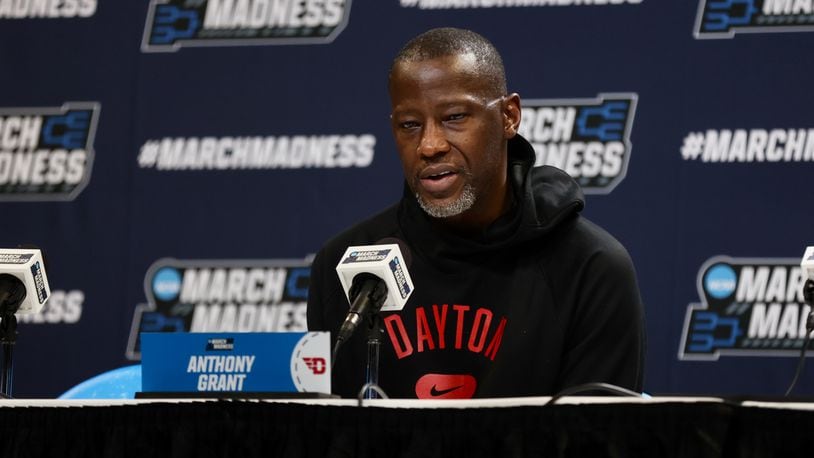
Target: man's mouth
439 176
439 180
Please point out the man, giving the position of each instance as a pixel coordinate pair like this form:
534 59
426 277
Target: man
515 293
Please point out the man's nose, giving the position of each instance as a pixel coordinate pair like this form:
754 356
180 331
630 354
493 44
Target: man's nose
433 141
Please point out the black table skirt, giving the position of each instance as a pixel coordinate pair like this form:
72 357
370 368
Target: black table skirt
266 429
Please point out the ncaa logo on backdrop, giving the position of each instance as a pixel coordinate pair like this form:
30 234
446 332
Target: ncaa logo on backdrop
436 4
750 307
46 153
587 138
172 24
725 18
222 296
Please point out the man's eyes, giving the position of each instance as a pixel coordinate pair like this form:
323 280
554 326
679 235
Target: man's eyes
455 117
450 118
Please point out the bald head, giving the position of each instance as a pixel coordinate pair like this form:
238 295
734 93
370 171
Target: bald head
447 41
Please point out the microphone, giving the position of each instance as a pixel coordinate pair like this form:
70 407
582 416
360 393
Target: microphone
374 277
23 283
807 266
807 263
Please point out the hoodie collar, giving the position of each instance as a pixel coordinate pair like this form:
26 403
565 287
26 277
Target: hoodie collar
542 198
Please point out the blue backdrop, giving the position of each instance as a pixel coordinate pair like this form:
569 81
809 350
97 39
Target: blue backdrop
180 162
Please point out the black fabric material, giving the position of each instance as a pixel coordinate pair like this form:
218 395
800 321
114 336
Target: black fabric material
786 433
258 429
540 300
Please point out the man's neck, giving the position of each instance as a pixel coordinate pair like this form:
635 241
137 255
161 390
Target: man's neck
473 222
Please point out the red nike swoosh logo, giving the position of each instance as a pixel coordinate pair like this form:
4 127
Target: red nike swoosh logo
445 386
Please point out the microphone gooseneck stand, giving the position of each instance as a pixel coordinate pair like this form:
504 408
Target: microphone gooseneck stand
367 295
12 294
371 389
8 337
808 297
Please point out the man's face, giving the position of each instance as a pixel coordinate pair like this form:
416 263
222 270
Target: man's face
451 129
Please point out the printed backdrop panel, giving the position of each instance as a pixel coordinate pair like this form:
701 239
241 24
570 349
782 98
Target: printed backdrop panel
180 161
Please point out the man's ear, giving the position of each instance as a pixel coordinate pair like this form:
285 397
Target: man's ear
511 115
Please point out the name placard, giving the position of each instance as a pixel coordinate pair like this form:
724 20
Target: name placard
284 362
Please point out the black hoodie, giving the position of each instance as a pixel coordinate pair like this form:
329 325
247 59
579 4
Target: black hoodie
542 300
